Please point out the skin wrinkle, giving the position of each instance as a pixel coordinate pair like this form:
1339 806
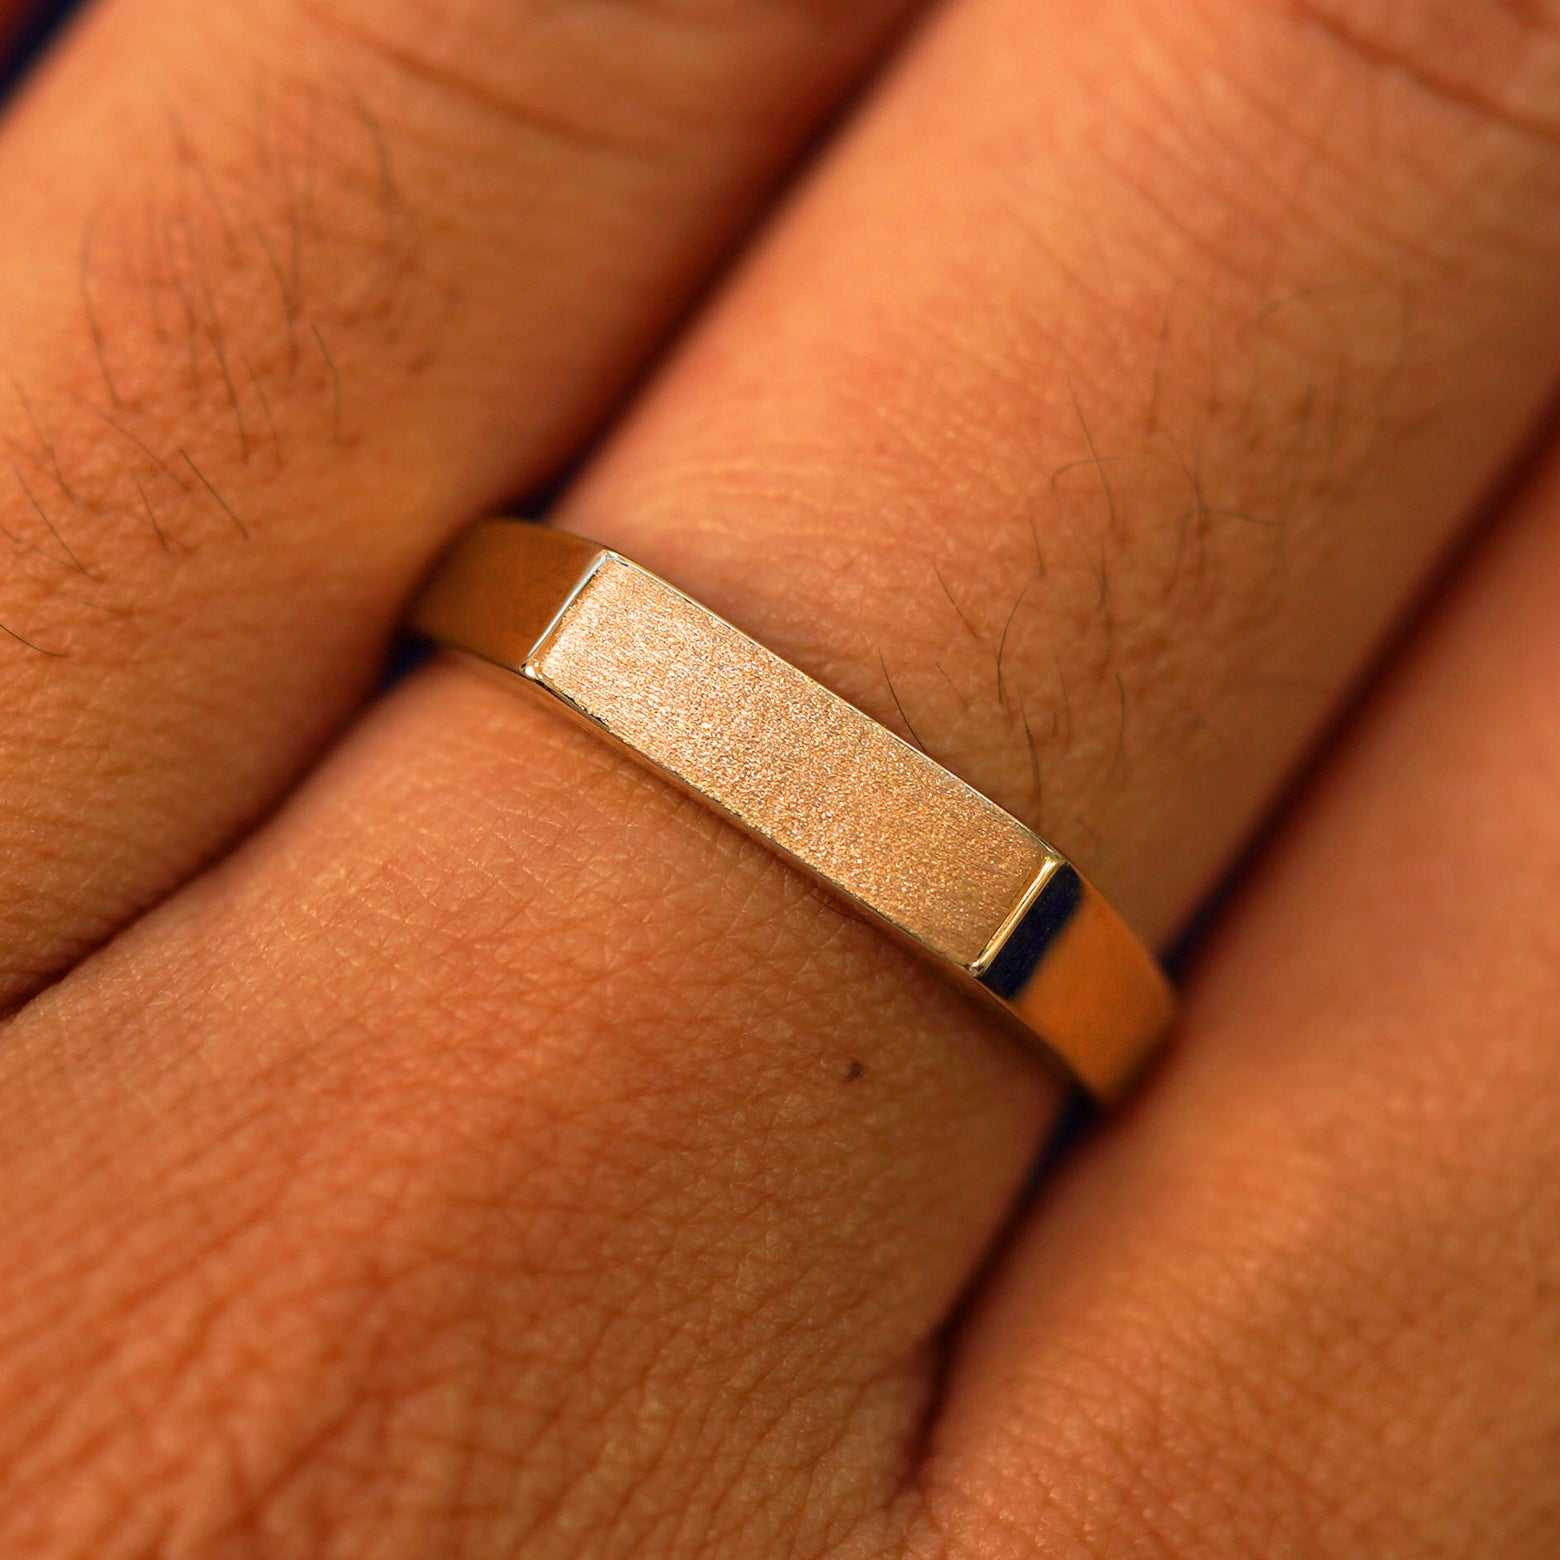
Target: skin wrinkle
1383 1344
253 1225
196 304
1426 69
55 1446
532 1524
575 131
1314 1298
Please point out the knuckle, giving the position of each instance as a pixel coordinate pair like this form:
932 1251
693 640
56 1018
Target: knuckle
1497 59
480 60
606 81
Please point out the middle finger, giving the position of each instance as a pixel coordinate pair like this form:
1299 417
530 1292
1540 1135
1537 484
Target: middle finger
1102 406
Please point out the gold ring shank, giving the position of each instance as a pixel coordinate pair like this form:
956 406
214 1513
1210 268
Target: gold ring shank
873 818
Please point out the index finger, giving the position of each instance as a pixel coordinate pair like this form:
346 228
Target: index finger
287 290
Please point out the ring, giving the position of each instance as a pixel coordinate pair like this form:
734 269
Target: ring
894 833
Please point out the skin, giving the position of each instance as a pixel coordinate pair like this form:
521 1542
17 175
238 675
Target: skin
426 1134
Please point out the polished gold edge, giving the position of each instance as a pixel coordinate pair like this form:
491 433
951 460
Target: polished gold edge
528 667
1021 906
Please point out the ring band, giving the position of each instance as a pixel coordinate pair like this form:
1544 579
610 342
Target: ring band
814 778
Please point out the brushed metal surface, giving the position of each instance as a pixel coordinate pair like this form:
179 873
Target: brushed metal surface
790 761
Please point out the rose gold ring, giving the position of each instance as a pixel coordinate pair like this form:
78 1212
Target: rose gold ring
874 819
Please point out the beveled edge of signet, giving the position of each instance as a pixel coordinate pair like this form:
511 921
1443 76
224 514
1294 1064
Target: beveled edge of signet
501 587
1024 946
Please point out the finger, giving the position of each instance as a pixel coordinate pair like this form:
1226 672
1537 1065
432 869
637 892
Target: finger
1303 1302
1100 454
288 290
486 1204
721 1160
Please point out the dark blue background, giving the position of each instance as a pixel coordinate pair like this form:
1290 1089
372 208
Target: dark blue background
39 23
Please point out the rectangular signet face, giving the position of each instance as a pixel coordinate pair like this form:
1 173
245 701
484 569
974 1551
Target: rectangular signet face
791 762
